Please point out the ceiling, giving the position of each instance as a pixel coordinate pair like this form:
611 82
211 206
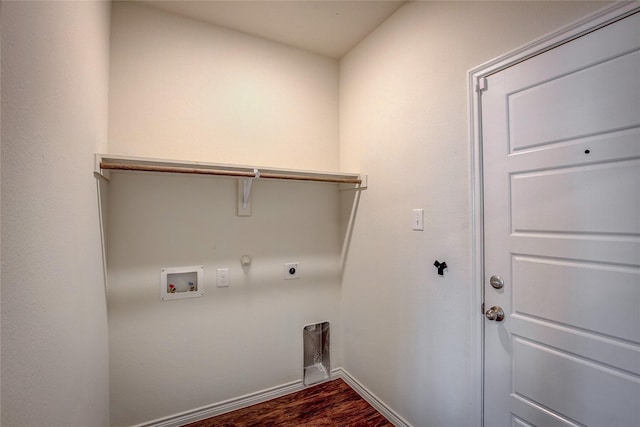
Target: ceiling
326 27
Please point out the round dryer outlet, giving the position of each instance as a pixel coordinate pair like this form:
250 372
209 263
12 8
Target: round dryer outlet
292 270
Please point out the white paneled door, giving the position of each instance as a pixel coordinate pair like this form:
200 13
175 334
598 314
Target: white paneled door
561 186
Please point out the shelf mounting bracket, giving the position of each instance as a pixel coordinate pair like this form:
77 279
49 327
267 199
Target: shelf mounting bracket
244 194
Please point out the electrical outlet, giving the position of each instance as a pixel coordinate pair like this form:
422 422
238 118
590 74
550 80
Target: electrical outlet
291 270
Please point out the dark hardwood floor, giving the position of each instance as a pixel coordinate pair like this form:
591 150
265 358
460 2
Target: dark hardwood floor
332 403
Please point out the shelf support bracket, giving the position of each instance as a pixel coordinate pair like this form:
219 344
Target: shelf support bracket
244 194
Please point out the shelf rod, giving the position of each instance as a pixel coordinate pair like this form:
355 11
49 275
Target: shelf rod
220 172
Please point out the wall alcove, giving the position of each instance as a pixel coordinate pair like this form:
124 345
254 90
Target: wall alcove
159 215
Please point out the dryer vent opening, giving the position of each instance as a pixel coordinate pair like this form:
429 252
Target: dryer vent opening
317 363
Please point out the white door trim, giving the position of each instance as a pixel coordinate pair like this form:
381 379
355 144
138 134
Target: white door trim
476 79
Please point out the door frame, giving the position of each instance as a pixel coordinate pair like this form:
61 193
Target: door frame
476 80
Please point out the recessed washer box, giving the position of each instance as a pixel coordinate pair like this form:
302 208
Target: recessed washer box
181 282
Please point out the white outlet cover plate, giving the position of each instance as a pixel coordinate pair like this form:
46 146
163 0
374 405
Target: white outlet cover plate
292 270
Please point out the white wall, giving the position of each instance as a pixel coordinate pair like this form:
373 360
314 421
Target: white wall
183 89
173 356
54 117
404 122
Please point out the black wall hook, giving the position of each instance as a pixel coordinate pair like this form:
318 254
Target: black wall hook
440 266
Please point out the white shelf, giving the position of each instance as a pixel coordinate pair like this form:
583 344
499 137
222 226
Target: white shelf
104 163
107 163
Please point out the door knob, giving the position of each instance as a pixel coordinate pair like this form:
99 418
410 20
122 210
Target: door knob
495 313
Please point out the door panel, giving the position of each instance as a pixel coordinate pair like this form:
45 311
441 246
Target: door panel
561 193
623 250
584 199
564 291
603 349
573 386
611 146
576 104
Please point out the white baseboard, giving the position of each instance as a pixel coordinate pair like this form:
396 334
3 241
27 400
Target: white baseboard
223 407
371 398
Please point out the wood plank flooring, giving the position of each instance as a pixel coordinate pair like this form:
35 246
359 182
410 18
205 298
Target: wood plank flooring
332 403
